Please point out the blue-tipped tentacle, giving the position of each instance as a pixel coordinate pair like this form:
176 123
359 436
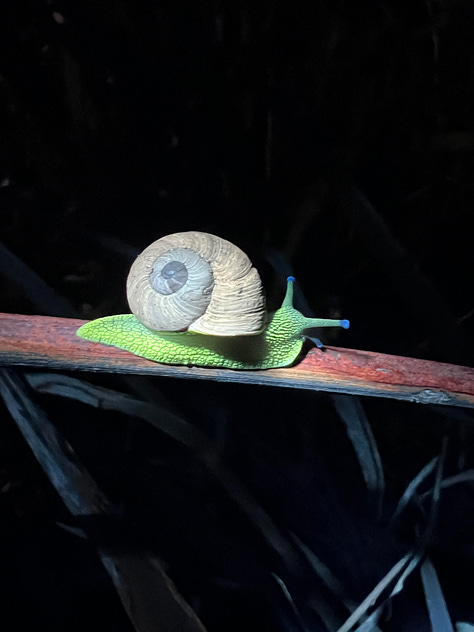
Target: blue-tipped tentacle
316 341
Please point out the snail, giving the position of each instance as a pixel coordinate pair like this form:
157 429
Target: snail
197 300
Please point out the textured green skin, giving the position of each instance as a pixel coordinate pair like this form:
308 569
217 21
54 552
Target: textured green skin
277 346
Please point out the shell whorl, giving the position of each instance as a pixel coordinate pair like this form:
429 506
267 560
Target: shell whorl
198 282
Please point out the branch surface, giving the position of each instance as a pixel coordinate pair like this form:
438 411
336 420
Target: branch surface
51 343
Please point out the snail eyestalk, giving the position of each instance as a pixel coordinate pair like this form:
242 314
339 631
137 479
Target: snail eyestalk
303 321
327 322
288 300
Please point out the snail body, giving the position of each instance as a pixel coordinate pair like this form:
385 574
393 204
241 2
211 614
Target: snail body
197 300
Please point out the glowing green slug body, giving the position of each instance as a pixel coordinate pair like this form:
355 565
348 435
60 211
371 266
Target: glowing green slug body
279 345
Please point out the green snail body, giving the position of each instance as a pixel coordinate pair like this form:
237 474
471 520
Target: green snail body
242 337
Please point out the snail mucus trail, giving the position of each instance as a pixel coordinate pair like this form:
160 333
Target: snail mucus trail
197 300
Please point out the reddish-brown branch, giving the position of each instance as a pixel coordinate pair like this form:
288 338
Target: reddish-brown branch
51 343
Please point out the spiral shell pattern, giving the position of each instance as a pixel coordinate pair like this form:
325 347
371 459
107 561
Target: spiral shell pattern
197 282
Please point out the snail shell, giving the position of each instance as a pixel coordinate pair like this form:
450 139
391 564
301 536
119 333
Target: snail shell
198 282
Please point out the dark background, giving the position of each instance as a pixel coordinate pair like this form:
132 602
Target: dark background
333 139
